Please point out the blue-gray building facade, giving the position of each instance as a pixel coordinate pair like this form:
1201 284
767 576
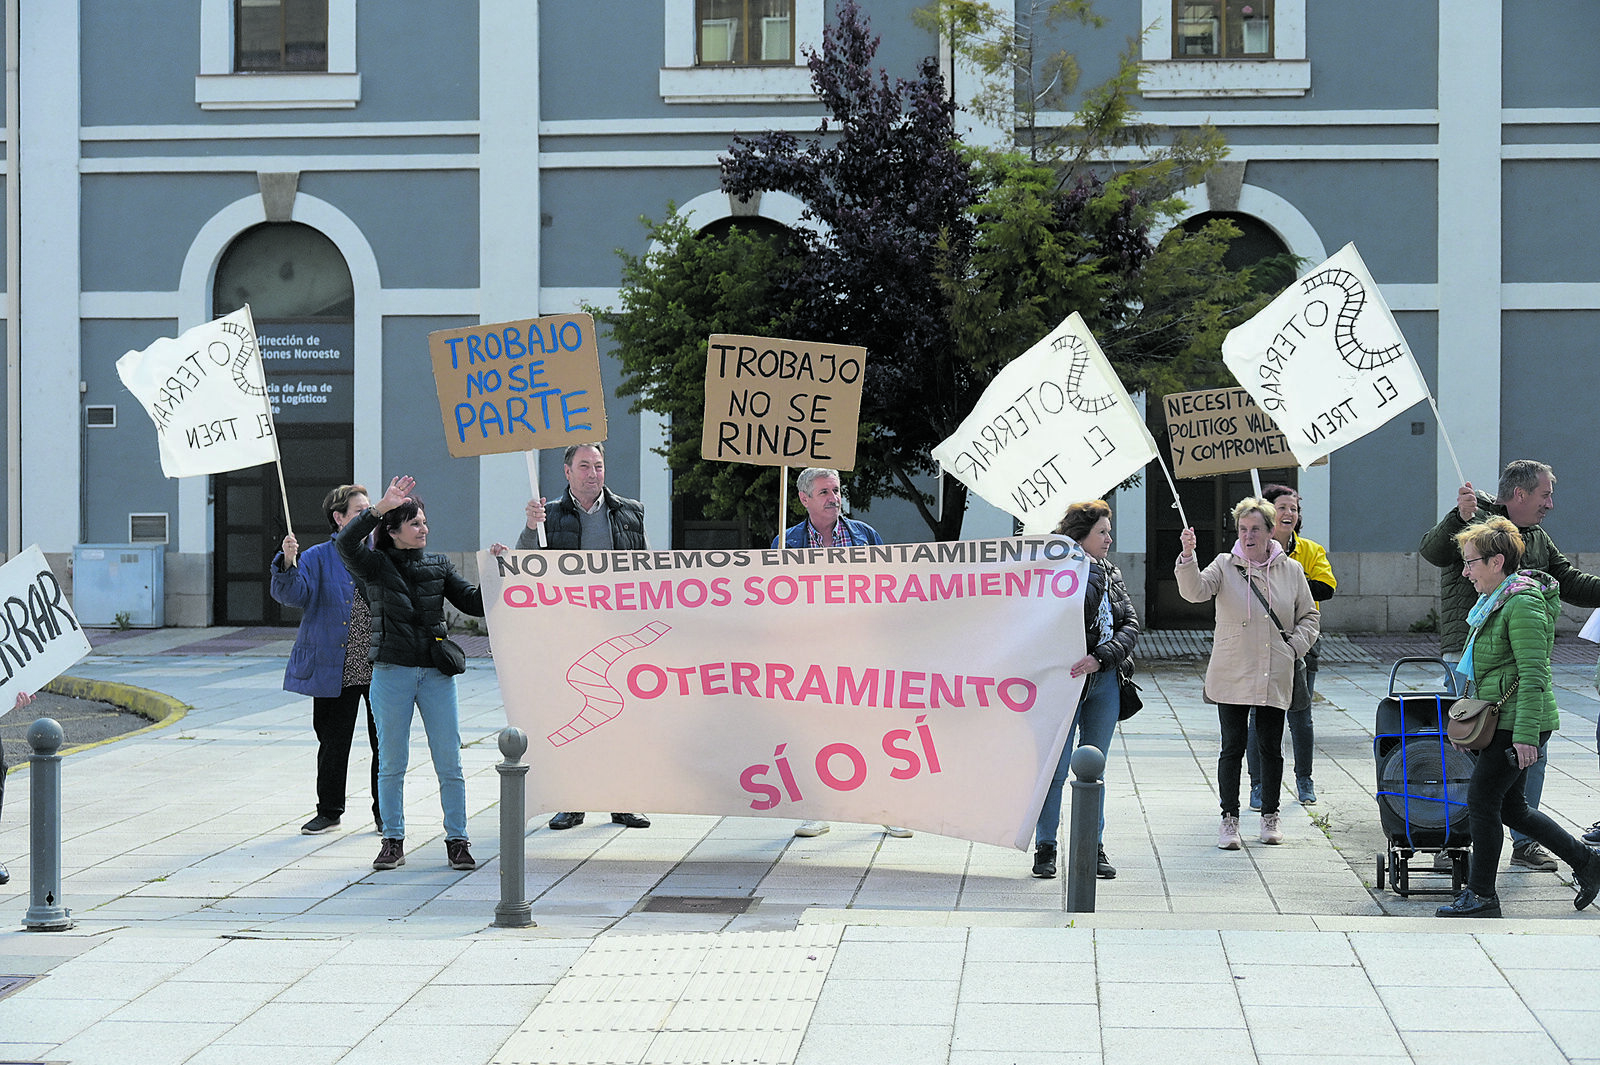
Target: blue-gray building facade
482 160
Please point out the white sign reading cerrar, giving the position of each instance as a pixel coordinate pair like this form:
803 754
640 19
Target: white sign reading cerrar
207 394
1326 359
39 635
1053 427
776 402
840 683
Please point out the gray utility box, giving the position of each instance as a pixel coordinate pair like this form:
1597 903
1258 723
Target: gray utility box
112 579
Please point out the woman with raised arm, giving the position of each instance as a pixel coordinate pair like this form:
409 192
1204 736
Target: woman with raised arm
1266 619
407 588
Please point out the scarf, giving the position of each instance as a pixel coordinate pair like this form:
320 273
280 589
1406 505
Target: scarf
1487 604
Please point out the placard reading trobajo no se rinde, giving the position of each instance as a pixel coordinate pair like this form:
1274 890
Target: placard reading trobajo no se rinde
517 386
774 402
1222 430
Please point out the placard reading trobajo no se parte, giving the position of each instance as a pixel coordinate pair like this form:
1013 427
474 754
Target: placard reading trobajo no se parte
517 386
774 402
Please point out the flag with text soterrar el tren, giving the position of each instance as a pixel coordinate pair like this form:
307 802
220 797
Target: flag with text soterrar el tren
1055 426
1326 359
206 392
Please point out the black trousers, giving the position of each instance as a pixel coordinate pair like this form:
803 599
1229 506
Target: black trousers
334 720
1235 722
1495 798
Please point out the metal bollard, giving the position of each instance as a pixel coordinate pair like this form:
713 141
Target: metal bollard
514 911
1083 841
46 914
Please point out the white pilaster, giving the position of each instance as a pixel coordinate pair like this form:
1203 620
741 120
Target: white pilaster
48 65
1470 42
508 216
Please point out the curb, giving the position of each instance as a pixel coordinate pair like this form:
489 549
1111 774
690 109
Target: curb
161 710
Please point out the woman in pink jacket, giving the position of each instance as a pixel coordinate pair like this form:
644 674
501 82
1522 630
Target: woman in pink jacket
1266 619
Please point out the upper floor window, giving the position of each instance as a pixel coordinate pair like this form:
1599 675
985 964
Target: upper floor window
739 51
311 42
1221 48
744 32
280 35
1222 29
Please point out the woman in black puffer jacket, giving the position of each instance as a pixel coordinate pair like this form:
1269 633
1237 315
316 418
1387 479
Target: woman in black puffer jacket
1111 628
406 589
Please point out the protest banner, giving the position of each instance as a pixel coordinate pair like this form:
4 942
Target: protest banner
1326 359
39 635
1054 426
840 683
516 386
774 402
1221 430
207 394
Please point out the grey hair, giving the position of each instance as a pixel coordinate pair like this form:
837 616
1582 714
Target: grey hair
566 459
810 474
1523 474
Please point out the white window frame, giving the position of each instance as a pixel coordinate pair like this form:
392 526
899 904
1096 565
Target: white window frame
1287 73
684 83
218 88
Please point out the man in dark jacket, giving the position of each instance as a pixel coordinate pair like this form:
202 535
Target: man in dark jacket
587 517
1527 492
826 526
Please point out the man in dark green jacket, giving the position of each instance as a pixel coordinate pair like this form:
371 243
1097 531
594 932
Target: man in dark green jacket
1526 494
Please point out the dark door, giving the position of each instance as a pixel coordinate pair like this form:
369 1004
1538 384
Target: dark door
250 521
1208 502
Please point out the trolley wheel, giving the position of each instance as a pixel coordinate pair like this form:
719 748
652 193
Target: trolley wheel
1380 871
1458 872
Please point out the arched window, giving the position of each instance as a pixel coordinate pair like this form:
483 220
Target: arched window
284 270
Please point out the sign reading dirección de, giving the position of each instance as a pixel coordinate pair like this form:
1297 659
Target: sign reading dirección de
516 386
773 402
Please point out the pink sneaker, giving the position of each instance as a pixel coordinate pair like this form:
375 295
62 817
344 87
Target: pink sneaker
1228 838
1271 830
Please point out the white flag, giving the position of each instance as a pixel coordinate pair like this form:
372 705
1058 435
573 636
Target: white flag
1054 427
206 391
1326 359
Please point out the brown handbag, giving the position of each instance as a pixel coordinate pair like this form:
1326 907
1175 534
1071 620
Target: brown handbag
1473 721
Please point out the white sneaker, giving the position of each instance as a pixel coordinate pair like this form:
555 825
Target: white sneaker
1271 830
812 828
897 832
1228 838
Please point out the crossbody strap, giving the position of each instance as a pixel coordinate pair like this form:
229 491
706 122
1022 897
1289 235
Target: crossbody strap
1268 605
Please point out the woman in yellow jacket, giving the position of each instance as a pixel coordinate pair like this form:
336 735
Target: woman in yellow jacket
1319 575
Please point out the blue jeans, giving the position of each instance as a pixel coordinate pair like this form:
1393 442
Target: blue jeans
395 690
1094 724
1495 796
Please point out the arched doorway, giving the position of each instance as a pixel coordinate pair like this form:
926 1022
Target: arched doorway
302 298
1208 501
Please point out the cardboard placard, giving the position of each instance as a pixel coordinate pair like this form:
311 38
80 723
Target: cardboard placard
1222 430
774 402
517 386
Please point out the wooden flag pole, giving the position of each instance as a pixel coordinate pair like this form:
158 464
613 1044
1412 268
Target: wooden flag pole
533 486
1461 478
277 456
1176 502
783 502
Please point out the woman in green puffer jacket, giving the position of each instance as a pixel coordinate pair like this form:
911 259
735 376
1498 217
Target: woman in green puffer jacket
1511 632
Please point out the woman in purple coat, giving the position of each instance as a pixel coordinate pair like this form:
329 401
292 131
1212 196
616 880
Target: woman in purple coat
329 659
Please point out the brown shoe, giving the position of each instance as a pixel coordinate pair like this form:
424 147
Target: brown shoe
391 853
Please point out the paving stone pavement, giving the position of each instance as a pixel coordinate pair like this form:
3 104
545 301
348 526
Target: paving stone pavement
209 930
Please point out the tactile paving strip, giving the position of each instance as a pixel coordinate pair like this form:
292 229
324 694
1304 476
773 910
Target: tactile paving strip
734 996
